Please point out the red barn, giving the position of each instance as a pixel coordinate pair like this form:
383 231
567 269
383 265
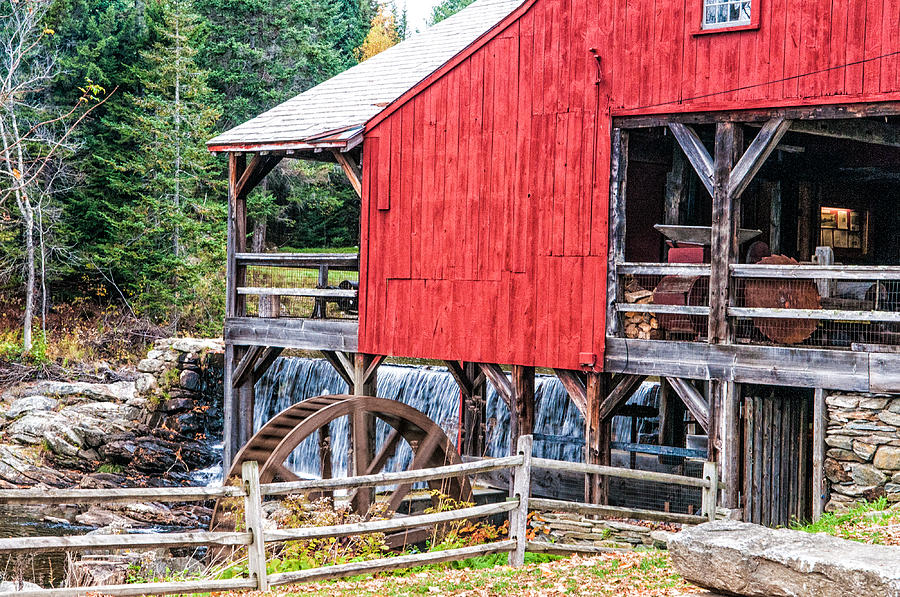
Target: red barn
700 191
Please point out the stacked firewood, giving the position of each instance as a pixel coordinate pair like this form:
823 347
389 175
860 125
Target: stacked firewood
643 326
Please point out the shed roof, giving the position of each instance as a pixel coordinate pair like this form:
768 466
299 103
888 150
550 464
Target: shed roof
334 113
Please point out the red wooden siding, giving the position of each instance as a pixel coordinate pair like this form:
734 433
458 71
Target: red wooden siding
486 196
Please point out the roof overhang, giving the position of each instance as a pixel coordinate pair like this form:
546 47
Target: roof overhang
343 140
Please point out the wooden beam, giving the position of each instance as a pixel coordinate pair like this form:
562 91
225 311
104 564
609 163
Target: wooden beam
820 483
575 383
619 395
863 131
305 334
725 217
523 383
265 361
505 390
244 369
374 363
813 112
341 365
695 152
692 399
597 435
676 185
457 370
258 168
756 155
618 186
351 169
729 398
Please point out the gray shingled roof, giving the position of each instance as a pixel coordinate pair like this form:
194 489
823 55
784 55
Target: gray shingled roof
337 109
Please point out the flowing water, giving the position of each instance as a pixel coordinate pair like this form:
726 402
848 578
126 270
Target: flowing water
559 426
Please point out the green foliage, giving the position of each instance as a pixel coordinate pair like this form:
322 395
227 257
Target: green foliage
868 522
114 469
446 9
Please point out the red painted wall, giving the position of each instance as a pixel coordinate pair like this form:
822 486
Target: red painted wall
486 188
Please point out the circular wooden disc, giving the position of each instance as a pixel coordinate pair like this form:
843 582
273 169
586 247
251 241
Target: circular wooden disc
776 293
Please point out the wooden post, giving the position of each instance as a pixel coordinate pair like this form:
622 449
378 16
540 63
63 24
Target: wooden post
523 382
804 220
475 413
675 186
671 421
231 403
365 383
616 253
710 494
820 484
320 309
518 518
597 439
730 458
772 188
725 220
253 519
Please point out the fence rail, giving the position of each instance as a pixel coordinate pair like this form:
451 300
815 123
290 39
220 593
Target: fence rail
255 537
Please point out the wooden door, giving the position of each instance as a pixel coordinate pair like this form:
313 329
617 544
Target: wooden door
777 456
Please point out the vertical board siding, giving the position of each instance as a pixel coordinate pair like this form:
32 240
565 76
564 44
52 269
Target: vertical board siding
485 200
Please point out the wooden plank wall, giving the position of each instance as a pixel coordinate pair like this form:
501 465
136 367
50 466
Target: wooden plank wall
485 193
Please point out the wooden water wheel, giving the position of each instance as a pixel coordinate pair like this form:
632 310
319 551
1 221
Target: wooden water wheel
273 443
782 294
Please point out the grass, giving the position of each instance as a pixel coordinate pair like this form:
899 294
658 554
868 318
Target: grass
869 522
638 574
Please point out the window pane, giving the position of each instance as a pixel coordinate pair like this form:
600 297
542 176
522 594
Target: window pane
745 11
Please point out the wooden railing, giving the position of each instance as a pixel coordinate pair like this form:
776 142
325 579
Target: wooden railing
273 277
255 537
851 307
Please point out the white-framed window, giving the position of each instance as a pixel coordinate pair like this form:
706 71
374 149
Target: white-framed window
725 13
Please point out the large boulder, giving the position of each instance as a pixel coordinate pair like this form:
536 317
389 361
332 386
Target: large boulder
737 558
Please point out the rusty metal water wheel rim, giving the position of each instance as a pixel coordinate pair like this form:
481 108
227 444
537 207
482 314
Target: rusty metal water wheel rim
275 441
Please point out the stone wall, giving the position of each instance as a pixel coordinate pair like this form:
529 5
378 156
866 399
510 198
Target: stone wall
863 448
569 529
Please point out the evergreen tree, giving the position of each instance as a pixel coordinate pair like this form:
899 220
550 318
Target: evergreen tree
446 9
168 231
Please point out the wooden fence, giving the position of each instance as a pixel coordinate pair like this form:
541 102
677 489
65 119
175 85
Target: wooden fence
255 537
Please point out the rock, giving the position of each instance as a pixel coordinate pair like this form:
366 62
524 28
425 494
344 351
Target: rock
13 586
91 571
661 538
146 383
177 404
895 406
836 472
30 404
866 474
839 441
163 567
895 478
842 401
189 380
887 458
120 391
151 366
864 450
197 345
845 455
889 418
873 403
745 559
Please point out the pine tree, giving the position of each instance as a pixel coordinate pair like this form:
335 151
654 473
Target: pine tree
445 10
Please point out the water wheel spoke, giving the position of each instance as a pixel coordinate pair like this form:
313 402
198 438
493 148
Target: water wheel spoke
425 450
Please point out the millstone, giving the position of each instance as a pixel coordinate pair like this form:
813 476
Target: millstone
738 558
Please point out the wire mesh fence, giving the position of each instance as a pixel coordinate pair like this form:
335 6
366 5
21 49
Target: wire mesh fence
269 279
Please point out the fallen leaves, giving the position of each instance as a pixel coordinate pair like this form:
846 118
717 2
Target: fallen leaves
637 574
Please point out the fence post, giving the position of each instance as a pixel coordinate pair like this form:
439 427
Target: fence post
253 521
518 518
710 494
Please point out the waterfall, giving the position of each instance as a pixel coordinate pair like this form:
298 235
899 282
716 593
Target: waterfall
559 426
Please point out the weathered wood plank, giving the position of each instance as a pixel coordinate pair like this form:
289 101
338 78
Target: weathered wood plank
692 399
381 564
137 589
412 476
308 334
546 505
818 314
756 155
335 261
618 186
664 269
329 293
85 542
621 393
115 496
696 153
393 524
797 367
621 473
576 387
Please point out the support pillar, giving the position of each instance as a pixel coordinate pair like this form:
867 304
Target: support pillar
730 401
523 382
671 421
820 426
597 438
473 389
365 382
